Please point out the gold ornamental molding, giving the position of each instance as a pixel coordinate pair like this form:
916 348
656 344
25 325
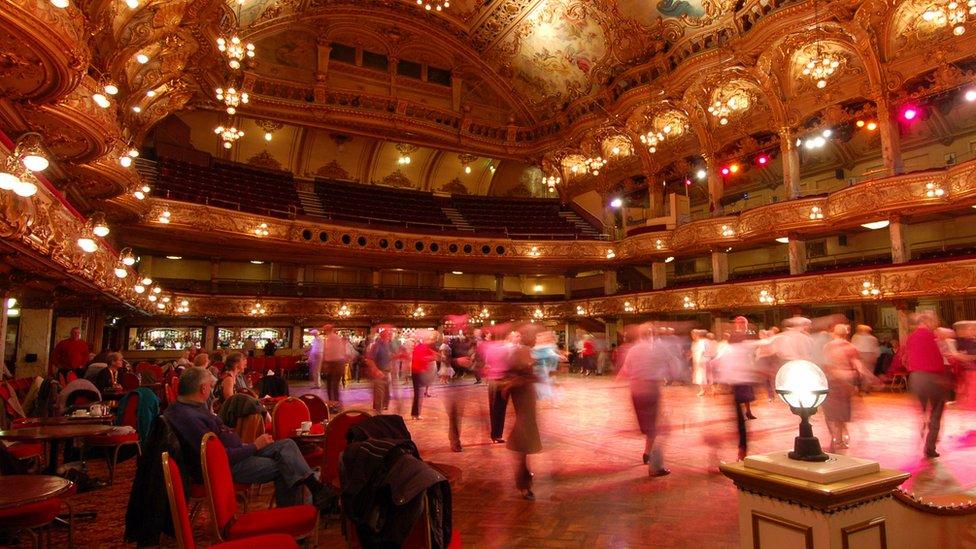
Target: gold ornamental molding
895 283
880 199
43 49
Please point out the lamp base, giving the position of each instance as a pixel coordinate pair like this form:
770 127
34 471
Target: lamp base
807 449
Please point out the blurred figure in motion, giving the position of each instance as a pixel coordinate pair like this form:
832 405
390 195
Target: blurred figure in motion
767 362
646 369
928 378
868 348
379 365
334 355
546 357
423 365
494 355
519 382
587 355
842 366
315 358
699 360
736 366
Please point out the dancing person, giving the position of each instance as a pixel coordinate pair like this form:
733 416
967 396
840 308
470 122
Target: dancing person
494 355
868 348
736 367
519 383
646 369
445 370
422 366
546 357
699 363
928 378
588 355
842 365
745 393
334 356
379 365
315 358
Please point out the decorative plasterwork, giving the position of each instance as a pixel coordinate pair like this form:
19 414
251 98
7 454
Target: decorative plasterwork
264 159
332 170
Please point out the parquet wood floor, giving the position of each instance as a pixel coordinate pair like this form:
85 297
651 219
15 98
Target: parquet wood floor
591 488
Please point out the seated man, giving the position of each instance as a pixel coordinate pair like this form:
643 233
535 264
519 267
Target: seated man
263 461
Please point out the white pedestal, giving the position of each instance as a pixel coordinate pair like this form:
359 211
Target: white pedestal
835 469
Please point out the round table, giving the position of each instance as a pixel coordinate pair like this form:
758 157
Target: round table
51 434
67 420
18 490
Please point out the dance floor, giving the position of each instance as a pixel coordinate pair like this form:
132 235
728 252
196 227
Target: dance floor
590 485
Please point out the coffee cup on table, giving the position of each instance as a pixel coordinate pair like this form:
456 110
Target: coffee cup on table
306 426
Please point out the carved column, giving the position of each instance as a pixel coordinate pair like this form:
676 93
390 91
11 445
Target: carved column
4 296
791 162
209 337
890 138
900 250
905 309
568 287
376 278
322 66
720 267
715 184
610 282
655 196
798 256
659 275
393 75
500 287
456 92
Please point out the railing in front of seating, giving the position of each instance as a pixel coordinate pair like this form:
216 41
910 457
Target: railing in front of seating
323 290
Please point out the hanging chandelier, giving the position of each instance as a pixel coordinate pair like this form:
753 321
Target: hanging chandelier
258 309
232 98
235 50
229 135
405 149
436 5
551 181
822 65
591 164
723 108
951 13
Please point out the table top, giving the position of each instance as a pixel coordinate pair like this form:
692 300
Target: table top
68 420
54 432
17 490
309 437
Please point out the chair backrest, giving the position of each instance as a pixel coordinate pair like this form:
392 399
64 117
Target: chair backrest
256 363
271 363
177 503
288 415
128 381
170 394
250 427
318 410
219 483
130 415
335 442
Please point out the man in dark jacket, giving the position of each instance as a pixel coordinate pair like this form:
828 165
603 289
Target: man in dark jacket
263 461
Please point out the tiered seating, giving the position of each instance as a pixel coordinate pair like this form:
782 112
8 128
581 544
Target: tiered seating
228 185
368 203
519 217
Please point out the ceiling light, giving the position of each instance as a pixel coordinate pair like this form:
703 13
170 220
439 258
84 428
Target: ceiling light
537 288
101 100
669 259
150 93
8 181
970 95
25 188
156 289
99 227
133 4
909 113
256 262
875 225
235 49
701 174
142 58
872 126
783 240
146 281
616 203
136 109
110 88
457 272
125 161
11 302
31 153
267 136
121 271
174 257
139 288
60 3
127 257
87 243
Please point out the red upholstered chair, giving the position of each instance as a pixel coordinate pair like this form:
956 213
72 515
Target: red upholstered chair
270 363
155 370
183 525
335 442
317 408
288 365
256 363
31 516
288 416
298 521
113 442
129 381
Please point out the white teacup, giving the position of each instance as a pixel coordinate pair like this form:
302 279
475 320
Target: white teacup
306 426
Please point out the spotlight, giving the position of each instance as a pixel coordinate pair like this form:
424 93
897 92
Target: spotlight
970 95
762 160
142 58
734 168
701 174
616 203
909 113
725 171
101 100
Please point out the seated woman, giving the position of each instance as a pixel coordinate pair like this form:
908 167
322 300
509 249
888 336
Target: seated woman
232 380
110 378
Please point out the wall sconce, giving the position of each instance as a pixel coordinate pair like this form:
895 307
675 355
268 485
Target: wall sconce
611 254
766 297
257 309
262 230
868 289
933 190
344 311
688 302
99 225
183 307
816 213
537 314
418 312
658 244
534 252
727 231
86 240
629 307
580 310
165 216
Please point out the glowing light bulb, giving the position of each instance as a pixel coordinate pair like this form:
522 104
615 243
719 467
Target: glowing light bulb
142 58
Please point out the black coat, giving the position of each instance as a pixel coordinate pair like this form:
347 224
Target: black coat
148 512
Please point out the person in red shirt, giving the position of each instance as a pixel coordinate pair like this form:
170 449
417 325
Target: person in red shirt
928 377
422 369
70 354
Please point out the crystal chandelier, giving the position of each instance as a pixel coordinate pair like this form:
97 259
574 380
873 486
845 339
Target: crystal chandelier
344 311
950 13
766 297
437 5
232 98
183 307
235 49
723 109
551 181
652 139
405 149
822 65
228 135
258 309
591 164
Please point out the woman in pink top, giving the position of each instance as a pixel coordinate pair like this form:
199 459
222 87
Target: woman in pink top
841 364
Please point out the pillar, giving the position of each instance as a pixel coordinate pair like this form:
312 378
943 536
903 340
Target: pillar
659 275
798 256
791 162
322 65
209 337
655 197
296 335
456 92
890 138
904 309
720 267
900 250
610 285
96 329
500 287
568 287
440 279
715 184
4 295
377 278
570 336
610 329
34 339
214 273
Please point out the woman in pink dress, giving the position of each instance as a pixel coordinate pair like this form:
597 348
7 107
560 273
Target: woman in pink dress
842 365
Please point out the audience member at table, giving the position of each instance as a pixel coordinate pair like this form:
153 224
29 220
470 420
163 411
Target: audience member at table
266 460
70 354
110 379
233 380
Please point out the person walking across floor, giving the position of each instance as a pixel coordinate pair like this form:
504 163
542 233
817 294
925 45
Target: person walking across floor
646 369
518 381
842 365
379 364
423 365
334 356
928 378
315 358
494 355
